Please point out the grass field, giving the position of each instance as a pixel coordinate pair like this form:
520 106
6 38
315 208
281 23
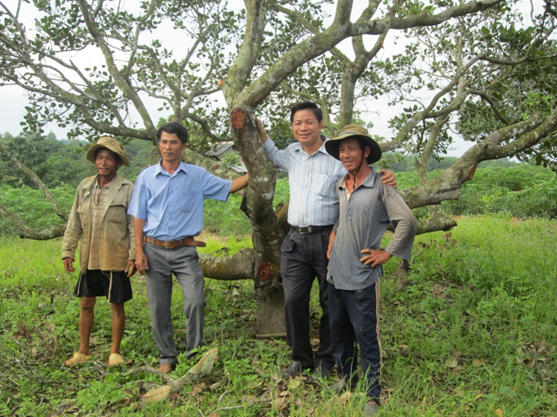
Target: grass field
471 332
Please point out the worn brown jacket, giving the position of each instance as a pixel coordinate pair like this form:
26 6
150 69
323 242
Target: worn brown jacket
117 234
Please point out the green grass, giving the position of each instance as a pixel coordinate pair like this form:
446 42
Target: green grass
471 331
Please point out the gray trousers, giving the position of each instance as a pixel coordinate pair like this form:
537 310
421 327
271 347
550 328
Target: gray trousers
184 264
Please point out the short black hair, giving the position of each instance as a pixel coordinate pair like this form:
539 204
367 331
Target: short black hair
173 128
116 156
307 105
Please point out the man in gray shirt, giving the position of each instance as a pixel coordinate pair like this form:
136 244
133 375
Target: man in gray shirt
366 208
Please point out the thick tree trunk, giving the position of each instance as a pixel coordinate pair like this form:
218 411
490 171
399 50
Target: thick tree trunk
268 233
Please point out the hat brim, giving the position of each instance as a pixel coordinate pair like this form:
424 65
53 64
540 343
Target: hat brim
332 146
93 149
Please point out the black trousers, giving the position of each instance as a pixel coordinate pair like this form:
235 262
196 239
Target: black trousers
304 257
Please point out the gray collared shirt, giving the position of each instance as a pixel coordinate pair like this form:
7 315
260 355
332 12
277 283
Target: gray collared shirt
364 217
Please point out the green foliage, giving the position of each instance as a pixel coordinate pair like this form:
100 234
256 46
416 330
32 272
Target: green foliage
226 219
55 162
520 191
32 206
59 163
398 162
472 330
230 160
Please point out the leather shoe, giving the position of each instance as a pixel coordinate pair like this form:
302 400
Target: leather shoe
321 372
294 369
341 385
371 409
166 368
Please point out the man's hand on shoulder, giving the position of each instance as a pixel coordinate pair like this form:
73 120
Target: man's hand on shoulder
388 178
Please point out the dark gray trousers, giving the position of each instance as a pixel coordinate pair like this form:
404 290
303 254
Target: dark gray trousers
304 257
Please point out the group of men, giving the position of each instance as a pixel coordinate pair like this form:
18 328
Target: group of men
339 209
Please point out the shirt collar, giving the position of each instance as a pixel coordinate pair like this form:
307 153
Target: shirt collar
182 167
97 185
321 148
369 181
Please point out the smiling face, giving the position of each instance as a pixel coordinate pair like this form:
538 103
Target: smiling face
107 163
306 129
351 154
171 147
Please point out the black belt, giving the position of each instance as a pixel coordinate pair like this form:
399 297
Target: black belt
173 244
306 230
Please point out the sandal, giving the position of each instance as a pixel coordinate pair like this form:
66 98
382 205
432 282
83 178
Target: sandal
115 359
77 358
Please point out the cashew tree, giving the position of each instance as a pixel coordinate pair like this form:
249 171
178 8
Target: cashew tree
474 69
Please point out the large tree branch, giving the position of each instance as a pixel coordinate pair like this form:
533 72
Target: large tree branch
241 265
249 50
407 128
425 19
448 184
120 79
25 232
342 28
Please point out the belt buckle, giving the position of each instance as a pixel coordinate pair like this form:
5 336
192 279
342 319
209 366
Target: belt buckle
166 245
305 230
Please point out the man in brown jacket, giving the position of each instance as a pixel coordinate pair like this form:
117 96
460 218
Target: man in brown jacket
107 256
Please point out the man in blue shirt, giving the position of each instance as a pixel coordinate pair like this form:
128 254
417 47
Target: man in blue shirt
312 211
366 208
167 205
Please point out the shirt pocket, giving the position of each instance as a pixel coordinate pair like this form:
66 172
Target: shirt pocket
116 214
185 201
323 185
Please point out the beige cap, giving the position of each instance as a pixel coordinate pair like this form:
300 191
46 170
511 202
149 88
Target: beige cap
112 145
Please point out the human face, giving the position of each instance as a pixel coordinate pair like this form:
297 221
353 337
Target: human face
351 154
107 164
171 147
306 129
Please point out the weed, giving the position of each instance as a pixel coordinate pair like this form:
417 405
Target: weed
471 331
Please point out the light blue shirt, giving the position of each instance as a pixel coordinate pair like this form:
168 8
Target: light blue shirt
172 205
312 179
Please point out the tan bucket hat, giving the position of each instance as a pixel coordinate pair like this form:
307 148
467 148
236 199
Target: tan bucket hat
112 145
354 131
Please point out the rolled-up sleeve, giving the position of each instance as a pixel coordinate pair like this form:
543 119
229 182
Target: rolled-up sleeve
281 158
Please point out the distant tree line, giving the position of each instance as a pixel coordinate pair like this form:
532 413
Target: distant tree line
398 162
60 162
